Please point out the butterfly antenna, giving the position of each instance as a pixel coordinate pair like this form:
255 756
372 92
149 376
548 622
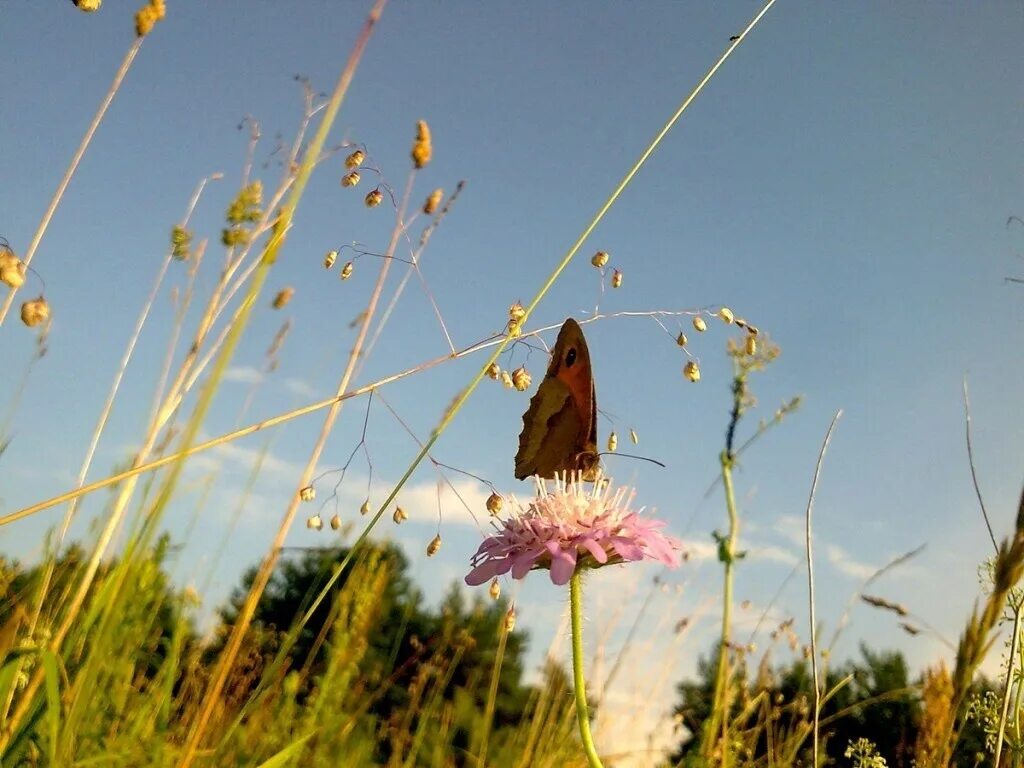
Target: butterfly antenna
632 456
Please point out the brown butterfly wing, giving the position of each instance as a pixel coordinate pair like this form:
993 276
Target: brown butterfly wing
560 426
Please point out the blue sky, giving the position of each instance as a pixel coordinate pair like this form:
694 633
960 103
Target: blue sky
844 183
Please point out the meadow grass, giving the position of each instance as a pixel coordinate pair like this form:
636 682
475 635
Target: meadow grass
100 660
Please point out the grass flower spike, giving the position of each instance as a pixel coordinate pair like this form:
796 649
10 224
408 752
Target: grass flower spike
571 527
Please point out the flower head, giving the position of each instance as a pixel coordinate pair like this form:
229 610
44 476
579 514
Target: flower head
570 526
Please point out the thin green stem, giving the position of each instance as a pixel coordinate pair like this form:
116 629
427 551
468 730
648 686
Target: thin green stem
492 692
719 710
1008 683
579 682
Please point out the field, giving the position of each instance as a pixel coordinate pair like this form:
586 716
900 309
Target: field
522 386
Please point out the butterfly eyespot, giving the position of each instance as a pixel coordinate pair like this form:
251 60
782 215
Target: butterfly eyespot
570 357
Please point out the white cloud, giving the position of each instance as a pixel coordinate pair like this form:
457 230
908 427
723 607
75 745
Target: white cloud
847 564
300 387
243 374
246 459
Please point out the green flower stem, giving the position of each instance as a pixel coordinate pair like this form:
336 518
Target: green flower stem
579 684
719 720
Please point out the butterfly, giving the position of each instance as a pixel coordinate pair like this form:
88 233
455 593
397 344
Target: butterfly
560 426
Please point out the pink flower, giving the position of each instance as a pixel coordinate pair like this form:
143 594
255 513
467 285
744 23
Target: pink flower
572 527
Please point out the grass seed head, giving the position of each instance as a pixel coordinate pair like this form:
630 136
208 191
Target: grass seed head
521 378
516 312
433 201
422 149
283 297
495 589
510 618
751 345
699 325
35 312
330 258
726 315
434 546
12 269
613 442
692 371
350 179
399 516
346 271
335 523
365 509
494 503
374 198
493 371
88 6
506 379
314 523
681 339
633 436
355 159
616 279
181 240
308 493
599 259
145 19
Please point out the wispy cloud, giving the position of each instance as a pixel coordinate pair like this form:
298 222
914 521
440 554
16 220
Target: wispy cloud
847 564
243 374
300 387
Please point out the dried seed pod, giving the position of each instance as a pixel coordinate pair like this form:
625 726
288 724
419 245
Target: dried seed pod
699 324
506 379
399 515
599 259
616 279
308 493
422 148
681 339
314 523
521 378
350 179
633 436
283 297
12 269
330 258
34 312
495 589
374 198
516 312
365 509
335 523
434 546
433 201
355 159
510 619
751 345
692 371
726 315
346 270
494 503
493 371
613 442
